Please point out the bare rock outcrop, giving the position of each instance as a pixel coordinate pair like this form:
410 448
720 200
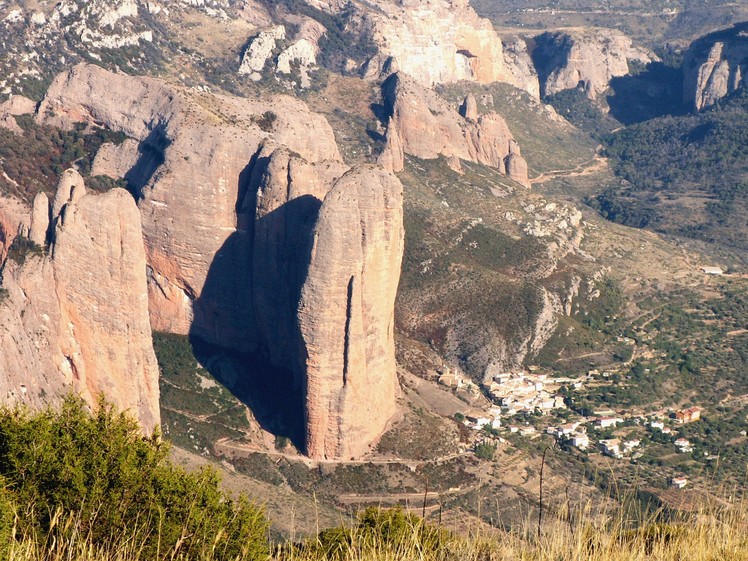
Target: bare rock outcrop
346 314
590 58
40 220
69 189
516 165
116 160
435 42
12 107
14 216
235 228
469 108
392 157
76 317
193 157
259 51
438 41
429 127
715 66
519 69
289 194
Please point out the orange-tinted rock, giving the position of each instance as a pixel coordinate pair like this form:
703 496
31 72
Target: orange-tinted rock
193 161
77 317
346 314
392 157
428 127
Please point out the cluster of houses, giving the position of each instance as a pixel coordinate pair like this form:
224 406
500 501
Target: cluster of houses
532 392
518 392
575 433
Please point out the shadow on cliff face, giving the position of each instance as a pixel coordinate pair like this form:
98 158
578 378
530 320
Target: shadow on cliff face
266 389
151 154
656 90
244 329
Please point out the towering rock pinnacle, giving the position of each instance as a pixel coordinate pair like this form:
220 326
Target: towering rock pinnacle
469 108
77 318
516 166
69 187
714 66
289 195
39 220
392 157
346 314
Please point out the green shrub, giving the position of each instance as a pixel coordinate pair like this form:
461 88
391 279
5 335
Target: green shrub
23 247
393 530
485 451
101 472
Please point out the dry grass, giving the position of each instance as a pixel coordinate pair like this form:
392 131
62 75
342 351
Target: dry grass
713 534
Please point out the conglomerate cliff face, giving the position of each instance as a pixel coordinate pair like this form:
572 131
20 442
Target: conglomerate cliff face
192 156
715 66
75 315
427 127
439 42
346 313
240 200
566 58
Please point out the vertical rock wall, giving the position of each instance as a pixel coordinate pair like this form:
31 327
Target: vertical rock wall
715 66
75 317
346 314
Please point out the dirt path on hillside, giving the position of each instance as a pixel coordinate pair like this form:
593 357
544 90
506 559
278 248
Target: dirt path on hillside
225 444
598 163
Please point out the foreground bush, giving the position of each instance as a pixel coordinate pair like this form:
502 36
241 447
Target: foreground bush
77 487
713 534
72 478
394 533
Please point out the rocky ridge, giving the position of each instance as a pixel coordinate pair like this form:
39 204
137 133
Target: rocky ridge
202 142
230 191
715 66
568 58
428 127
75 315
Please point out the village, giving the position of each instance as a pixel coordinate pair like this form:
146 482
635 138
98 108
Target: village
529 403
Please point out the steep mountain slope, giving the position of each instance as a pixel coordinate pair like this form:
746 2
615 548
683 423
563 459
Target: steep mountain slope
331 225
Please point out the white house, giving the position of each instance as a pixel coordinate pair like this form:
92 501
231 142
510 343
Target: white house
607 422
679 482
611 447
580 440
683 445
712 270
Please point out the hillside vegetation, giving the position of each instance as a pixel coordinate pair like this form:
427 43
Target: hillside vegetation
685 175
84 487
